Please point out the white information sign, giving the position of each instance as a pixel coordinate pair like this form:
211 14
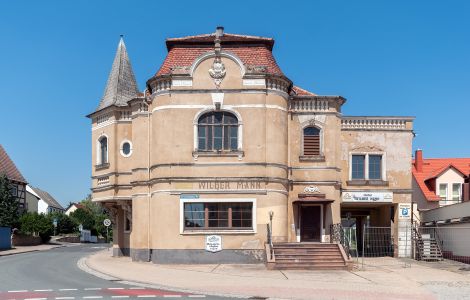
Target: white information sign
213 243
106 222
404 211
368 197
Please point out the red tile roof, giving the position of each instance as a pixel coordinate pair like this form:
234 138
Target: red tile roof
434 167
297 91
252 51
9 168
226 38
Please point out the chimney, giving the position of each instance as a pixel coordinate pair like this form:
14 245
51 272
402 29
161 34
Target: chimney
219 31
419 160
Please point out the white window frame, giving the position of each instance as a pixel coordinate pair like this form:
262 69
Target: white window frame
446 193
98 149
452 191
218 231
121 148
366 165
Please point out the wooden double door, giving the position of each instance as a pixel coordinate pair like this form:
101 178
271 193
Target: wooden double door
310 223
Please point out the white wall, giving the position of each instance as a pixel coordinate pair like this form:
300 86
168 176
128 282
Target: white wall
42 206
449 177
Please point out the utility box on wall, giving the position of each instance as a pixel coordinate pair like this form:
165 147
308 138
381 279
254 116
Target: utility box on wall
5 238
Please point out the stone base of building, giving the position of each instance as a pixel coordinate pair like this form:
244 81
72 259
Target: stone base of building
117 252
179 256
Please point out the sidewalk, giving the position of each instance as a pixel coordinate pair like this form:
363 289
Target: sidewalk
392 282
25 249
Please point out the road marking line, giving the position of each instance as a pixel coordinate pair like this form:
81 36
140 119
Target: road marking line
171 296
119 296
146 296
48 290
92 289
92 297
64 298
115 288
19 291
137 288
197 296
35 299
67 290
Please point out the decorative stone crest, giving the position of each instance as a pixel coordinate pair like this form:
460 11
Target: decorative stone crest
217 72
311 189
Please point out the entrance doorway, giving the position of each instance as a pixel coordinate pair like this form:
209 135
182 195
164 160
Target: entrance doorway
310 223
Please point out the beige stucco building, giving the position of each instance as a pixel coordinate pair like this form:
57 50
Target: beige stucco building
221 140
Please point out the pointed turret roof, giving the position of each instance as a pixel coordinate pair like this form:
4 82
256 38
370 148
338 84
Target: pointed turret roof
121 86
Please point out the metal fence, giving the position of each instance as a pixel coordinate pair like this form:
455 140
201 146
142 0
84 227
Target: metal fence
453 242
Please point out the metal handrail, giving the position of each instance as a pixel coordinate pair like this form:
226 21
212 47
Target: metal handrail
337 236
270 241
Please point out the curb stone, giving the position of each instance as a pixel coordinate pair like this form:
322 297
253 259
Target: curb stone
29 251
82 264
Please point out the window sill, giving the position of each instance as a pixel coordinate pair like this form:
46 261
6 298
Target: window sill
221 231
361 182
102 166
317 158
218 153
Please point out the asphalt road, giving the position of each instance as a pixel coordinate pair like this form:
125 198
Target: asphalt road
54 274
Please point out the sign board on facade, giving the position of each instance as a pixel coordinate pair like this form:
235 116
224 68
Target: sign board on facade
189 196
213 243
404 211
386 197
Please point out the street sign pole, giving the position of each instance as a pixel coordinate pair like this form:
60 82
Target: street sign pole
107 223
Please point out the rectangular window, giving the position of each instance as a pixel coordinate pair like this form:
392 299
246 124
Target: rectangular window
14 190
218 215
456 191
443 191
358 169
375 167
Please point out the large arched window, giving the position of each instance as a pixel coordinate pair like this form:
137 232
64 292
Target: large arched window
312 141
218 131
103 153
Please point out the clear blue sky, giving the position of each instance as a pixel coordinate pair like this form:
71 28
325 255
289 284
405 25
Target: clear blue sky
407 58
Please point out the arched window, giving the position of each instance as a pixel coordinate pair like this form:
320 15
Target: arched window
103 150
312 141
217 131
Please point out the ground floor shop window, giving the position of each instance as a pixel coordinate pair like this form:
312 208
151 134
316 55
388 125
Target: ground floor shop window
200 215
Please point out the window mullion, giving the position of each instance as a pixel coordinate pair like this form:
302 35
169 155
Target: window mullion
230 217
366 167
206 217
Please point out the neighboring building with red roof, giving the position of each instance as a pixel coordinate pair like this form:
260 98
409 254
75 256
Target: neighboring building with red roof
440 181
73 207
18 182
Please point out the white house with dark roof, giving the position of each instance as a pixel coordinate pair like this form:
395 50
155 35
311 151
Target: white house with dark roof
46 203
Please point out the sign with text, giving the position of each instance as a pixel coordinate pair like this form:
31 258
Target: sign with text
368 197
213 243
229 185
404 211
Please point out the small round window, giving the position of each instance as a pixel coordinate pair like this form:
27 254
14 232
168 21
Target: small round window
126 148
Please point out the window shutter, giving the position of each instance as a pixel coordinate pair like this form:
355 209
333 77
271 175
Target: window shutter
311 145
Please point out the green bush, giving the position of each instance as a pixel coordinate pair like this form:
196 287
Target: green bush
37 224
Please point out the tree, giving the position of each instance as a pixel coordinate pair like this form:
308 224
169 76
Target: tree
9 213
65 224
85 217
